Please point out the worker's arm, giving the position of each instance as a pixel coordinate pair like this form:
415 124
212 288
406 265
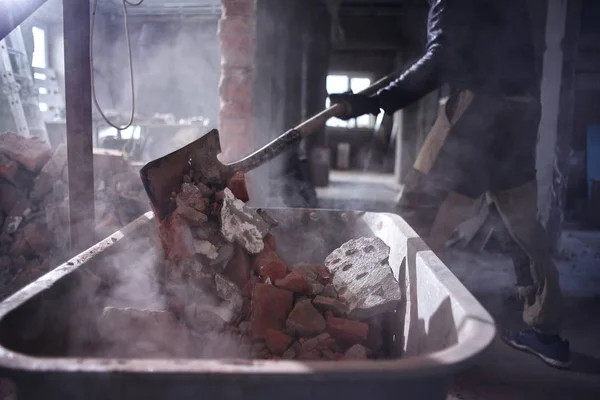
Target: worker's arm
447 28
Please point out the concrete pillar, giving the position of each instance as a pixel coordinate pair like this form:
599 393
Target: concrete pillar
550 94
556 126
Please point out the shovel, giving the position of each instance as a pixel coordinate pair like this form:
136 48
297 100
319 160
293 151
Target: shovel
163 176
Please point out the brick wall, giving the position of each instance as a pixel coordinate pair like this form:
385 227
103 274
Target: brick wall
237 33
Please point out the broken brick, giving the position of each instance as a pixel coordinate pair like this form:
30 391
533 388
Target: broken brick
323 304
31 152
346 331
293 282
270 242
305 320
238 268
263 258
307 271
274 270
249 286
237 185
269 309
277 342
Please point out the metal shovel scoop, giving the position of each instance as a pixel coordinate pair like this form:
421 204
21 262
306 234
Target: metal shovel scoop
163 176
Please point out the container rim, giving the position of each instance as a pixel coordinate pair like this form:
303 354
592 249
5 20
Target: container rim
477 330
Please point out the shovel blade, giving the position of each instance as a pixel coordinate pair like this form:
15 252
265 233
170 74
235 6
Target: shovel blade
163 176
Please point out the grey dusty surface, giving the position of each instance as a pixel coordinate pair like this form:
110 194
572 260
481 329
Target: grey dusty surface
503 373
362 275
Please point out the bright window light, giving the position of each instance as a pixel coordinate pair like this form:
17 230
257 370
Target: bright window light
42 90
39 48
40 76
43 107
343 83
359 84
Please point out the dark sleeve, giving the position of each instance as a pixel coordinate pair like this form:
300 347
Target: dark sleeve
446 29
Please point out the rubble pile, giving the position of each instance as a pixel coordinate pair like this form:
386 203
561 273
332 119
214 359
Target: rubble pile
234 294
34 207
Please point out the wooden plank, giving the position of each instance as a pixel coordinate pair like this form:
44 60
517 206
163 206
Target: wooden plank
78 96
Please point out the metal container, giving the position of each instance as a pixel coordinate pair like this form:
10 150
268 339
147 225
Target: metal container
48 331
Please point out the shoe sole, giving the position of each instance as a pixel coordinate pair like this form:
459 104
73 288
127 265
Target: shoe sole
549 361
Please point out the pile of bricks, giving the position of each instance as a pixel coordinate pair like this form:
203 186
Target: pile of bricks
230 294
34 208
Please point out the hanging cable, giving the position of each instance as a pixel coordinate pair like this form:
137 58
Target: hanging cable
126 23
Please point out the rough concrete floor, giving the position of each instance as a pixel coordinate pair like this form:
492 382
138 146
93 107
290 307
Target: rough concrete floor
502 372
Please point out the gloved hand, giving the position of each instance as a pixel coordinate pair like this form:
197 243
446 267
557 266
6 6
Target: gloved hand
356 104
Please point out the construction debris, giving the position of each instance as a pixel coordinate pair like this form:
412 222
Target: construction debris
362 275
223 278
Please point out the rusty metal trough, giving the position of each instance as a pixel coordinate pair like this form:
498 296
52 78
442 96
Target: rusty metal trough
48 333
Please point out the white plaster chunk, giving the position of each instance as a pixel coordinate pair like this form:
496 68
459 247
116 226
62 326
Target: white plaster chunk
362 275
241 224
205 248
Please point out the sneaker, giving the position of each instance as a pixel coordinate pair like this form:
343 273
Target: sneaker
550 348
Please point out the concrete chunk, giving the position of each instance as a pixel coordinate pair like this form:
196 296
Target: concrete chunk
241 224
362 275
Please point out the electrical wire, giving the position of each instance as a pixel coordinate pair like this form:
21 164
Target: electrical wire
126 23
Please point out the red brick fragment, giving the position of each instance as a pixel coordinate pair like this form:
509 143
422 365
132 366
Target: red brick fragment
237 185
269 309
32 153
238 269
263 258
274 270
346 331
293 282
277 342
270 242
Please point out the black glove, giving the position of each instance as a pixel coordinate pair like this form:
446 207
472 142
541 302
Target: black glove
356 104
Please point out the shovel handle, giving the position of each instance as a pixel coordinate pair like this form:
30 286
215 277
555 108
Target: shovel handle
305 129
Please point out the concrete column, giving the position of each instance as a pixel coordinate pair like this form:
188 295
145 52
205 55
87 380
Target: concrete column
550 91
556 127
